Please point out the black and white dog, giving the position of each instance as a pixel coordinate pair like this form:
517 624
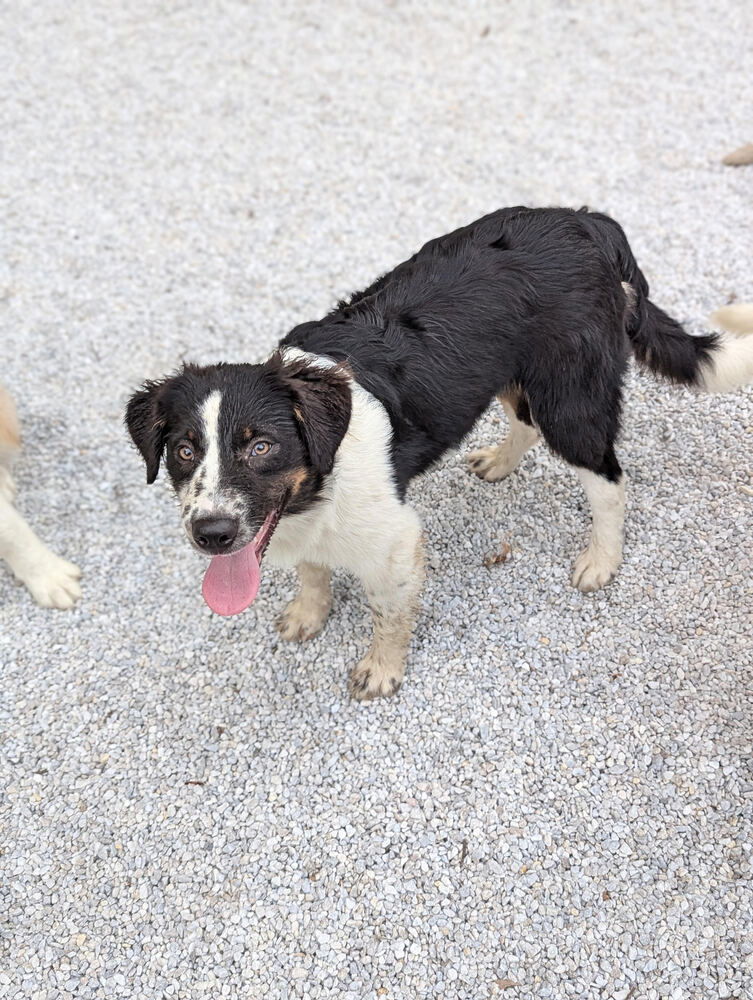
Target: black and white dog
307 456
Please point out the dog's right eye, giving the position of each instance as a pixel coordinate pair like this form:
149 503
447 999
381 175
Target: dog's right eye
185 453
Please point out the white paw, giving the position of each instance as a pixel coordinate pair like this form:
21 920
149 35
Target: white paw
52 581
493 463
594 568
302 619
375 677
7 485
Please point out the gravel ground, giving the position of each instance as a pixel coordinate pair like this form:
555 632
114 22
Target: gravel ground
559 802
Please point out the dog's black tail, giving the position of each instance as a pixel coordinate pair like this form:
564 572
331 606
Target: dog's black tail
661 344
712 362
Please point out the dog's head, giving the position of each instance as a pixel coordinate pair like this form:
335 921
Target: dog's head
243 445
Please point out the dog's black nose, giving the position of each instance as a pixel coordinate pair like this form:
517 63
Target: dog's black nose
215 534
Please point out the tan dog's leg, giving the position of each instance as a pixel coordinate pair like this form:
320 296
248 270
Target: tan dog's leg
52 581
10 442
306 614
10 433
7 486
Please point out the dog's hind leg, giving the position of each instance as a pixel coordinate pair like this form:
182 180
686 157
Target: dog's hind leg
576 402
599 561
306 614
498 461
584 438
393 586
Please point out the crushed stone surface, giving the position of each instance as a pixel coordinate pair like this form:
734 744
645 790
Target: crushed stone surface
559 802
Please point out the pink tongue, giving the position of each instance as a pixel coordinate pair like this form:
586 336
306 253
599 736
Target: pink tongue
232 582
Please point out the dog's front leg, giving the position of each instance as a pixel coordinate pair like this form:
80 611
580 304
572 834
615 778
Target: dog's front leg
7 486
393 586
306 614
52 581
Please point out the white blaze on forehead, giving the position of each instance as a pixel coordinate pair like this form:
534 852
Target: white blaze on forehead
202 492
210 467
203 495
210 414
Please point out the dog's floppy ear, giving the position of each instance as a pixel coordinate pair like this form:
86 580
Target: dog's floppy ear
321 403
146 424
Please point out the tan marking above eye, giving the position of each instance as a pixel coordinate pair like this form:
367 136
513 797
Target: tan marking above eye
247 433
296 479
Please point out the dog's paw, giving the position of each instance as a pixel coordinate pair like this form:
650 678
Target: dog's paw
493 463
594 568
375 677
302 619
52 581
7 485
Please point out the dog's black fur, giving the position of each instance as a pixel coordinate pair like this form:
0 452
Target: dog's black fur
540 307
528 300
531 303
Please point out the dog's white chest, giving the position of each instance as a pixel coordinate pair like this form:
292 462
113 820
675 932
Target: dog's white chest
360 504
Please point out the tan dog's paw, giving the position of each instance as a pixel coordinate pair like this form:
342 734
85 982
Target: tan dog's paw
375 678
302 619
52 581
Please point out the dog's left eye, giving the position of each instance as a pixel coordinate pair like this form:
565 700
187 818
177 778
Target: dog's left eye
185 453
260 448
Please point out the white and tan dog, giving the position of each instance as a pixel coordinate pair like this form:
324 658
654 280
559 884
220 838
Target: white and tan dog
52 581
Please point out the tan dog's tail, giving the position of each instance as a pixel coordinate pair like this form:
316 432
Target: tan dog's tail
10 432
737 318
